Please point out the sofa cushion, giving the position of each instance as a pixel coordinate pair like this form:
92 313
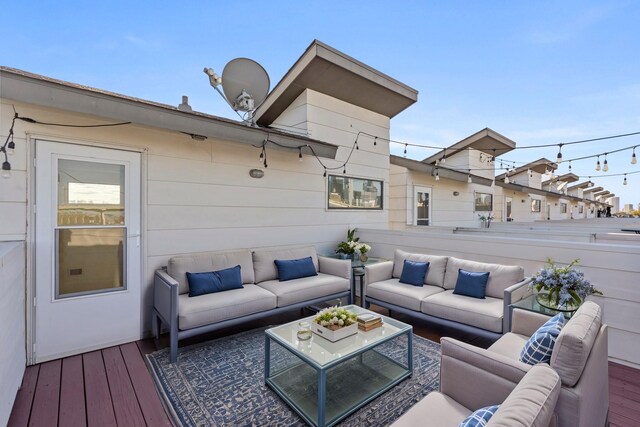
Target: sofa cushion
178 266
437 266
306 288
214 308
539 346
471 284
414 272
575 341
482 313
214 281
436 409
407 296
265 267
289 269
479 417
509 345
500 277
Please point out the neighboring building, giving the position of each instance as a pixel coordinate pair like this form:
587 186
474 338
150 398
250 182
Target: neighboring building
454 187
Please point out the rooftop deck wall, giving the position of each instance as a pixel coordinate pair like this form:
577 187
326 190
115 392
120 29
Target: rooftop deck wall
12 318
613 268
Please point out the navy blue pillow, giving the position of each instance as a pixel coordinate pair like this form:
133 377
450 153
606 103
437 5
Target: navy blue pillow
289 269
471 283
214 281
414 272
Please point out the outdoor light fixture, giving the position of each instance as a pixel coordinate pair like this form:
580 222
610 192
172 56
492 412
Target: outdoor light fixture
559 158
633 157
437 175
624 182
569 166
444 157
300 153
605 166
6 169
598 164
469 180
405 150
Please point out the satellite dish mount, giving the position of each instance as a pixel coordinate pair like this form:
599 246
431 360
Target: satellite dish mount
245 84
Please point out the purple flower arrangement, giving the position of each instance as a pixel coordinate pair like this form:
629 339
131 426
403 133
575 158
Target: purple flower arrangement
564 286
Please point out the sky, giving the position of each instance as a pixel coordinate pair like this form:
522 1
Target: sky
541 72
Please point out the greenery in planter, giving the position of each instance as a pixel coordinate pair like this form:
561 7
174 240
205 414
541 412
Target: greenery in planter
335 318
564 286
348 247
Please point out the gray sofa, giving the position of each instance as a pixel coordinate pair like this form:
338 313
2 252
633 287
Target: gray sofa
435 300
262 293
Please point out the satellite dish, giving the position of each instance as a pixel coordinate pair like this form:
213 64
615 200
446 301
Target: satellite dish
245 84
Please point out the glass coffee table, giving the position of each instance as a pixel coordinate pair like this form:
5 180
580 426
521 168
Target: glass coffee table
325 381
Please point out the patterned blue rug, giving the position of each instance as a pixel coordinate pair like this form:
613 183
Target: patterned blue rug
221 383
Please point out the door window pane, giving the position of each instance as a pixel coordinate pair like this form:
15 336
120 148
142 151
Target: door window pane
422 208
90 193
90 260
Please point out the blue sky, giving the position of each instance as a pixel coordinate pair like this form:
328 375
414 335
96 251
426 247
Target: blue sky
538 72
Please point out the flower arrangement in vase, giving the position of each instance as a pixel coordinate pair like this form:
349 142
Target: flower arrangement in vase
352 246
563 288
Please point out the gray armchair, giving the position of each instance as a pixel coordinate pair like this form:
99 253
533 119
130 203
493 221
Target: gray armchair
580 357
469 382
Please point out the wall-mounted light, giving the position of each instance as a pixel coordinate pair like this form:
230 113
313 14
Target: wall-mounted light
456 193
256 173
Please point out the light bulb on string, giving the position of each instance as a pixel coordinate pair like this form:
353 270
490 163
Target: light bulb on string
324 175
469 180
6 169
569 166
598 164
624 182
444 157
437 175
559 157
299 154
11 146
605 165
633 157
405 150
344 169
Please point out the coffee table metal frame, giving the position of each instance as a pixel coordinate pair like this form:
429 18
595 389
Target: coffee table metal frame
395 330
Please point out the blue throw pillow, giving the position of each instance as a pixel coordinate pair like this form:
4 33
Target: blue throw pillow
471 283
539 347
479 418
214 281
414 272
289 269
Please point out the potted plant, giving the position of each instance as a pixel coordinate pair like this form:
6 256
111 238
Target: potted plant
486 219
348 248
363 249
562 288
335 323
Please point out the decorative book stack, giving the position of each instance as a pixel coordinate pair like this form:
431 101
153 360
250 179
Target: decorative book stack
368 321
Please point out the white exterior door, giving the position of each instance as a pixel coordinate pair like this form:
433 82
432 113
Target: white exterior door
508 206
422 206
87 249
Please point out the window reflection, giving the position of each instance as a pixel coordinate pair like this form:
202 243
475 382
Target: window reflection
354 193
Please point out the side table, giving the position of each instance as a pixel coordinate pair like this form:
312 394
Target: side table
530 303
357 271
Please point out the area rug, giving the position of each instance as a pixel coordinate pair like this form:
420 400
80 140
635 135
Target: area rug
221 383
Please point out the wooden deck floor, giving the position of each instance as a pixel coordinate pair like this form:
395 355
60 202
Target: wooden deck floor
113 387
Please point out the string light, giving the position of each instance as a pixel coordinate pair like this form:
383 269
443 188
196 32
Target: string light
469 180
300 154
559 157
344 169
598 164
624 182
325 173
569 166
605 165
444 156
437 175
633 157
405 150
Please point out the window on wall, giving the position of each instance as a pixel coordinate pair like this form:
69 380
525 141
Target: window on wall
563 208
422 212
536 205
346 192
484 202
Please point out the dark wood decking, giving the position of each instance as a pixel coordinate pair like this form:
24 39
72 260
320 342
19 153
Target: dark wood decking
114 387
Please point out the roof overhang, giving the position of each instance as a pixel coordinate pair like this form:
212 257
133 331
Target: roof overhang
601 193
21 86
583 185
487 140
521 188
592 190
443 173
331 72
540 166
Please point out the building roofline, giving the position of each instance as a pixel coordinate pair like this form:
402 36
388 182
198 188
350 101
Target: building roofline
443 173
486 140
540 166
327 70
30 88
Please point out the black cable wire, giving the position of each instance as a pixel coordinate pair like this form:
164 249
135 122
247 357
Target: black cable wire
30 120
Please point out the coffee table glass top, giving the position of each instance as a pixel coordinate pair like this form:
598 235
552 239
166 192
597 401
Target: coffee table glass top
320 352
